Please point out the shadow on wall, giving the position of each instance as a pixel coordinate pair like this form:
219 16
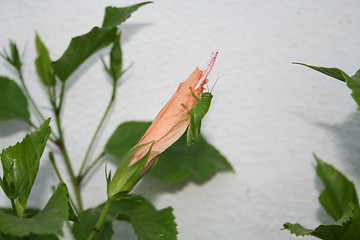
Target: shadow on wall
347 136
8 128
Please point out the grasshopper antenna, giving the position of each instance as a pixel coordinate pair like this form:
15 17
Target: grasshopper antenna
214 85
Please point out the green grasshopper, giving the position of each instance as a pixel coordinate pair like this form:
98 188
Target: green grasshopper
198 112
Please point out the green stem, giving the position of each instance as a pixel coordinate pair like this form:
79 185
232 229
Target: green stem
13 205
62 91
57 172
101 219
29 96
113 95
93 165
68 165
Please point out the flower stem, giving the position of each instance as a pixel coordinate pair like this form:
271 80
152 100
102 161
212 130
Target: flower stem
101 219
113 95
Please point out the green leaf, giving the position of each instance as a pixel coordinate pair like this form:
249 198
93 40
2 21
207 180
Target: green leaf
43 63
352 82
126 177
354 85
346 228
21 163
201 160
49 221
115 16
116 59
30 237
13 103
81 48
87 221
147 222
14 57
332 72
338 192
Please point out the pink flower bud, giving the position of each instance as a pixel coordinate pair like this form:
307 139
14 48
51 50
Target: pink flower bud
172 121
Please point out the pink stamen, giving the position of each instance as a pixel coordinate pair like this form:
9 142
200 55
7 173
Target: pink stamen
207 71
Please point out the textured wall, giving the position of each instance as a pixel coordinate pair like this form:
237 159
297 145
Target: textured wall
268 116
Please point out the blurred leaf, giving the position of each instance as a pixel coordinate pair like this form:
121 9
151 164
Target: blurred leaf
13 103
30 237
338 192
179 161
14 57
116 60
49 221
346 228
21 163
81 48
115 16
43 63
87 221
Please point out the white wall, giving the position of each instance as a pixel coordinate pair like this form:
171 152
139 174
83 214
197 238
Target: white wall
268 116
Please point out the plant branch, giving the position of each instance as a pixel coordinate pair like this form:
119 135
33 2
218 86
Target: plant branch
113 95
29 96
57 172
93 164
63 150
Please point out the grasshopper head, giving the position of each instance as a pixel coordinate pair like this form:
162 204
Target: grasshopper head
207 95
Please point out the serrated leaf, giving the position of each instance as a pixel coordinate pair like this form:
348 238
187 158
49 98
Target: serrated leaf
338 192
332 72
14 57
87 221
201 160
354 85
43 63
115 16
346 228
147 222
21 163
352 82
13 103
82 47
49 221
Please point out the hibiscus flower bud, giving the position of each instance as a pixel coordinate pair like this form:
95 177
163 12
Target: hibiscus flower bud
172 121
168 126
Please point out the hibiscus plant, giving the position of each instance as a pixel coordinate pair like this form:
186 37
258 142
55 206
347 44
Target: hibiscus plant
339 197
159 148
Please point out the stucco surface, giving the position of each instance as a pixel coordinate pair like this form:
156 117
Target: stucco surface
268 116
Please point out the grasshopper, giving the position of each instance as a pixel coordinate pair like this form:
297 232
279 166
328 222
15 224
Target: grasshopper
198 112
